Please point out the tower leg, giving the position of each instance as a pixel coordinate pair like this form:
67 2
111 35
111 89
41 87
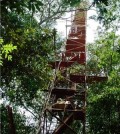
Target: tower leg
84 132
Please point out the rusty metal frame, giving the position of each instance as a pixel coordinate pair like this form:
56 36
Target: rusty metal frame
61 121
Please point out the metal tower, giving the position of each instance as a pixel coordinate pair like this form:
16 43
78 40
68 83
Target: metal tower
66 106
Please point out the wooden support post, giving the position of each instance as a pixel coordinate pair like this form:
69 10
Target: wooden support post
61 121
84 132
11 121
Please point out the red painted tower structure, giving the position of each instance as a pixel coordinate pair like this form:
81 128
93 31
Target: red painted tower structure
66 104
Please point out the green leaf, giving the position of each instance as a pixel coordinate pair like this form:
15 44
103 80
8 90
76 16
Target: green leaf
10 57
1 41
39 3
37 7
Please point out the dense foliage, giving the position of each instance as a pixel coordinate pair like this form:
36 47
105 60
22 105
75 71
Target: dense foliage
28 72
21 126
104 98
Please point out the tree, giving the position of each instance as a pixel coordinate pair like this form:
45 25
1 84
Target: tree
104 99
28 73
108 11
20 126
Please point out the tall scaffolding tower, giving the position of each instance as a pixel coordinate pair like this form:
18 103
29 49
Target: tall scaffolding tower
66 105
